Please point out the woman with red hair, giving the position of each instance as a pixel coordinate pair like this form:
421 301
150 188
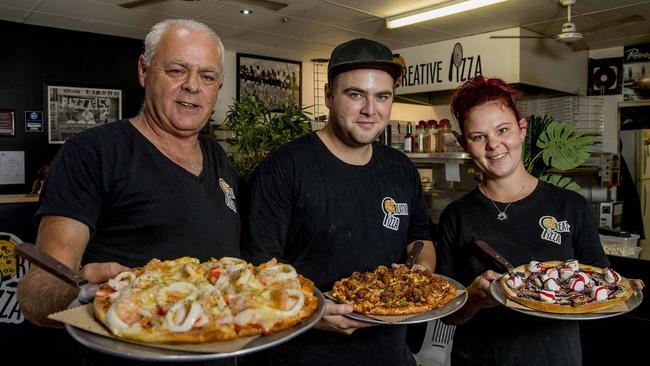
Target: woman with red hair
524 219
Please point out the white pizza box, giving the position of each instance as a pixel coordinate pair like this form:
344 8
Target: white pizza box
623 247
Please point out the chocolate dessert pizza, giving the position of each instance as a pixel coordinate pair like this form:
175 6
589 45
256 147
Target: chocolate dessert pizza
565 287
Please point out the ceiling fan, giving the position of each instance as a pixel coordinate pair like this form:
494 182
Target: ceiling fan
569 33
267 4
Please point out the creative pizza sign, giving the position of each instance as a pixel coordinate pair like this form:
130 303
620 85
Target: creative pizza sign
445 65
536 62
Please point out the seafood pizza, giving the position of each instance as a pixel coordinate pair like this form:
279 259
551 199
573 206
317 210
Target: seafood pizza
565 287
186 301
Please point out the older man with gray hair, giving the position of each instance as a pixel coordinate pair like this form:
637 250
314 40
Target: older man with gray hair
147 187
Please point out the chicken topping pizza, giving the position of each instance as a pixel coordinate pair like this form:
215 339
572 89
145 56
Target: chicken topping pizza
185 301
565 287
394 291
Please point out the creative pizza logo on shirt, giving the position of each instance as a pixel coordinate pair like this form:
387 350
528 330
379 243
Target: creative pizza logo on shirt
12 268
229 194
551 229
391 210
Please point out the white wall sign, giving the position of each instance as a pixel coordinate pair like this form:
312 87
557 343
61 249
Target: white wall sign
445 65
12 167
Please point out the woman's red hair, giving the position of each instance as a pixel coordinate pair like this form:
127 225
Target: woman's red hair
478 91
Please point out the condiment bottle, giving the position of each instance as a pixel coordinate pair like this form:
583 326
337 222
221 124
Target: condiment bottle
409 140
420 136
431 137
448 138
440 136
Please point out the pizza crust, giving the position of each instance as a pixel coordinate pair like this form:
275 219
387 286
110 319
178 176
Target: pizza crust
566 309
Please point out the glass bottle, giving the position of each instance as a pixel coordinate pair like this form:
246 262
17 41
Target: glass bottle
409 140
432 136
419 145
440 137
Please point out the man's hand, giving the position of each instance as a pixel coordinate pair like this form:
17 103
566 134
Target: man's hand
334 321
102 272
97 273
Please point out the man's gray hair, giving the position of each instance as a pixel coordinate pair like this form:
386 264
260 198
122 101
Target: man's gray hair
153 37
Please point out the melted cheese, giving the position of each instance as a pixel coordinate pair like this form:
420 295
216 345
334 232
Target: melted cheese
176 292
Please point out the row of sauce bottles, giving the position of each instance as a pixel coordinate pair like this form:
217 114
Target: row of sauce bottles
429 137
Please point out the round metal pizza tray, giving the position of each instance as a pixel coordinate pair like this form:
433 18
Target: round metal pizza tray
632 303
449 308
119 348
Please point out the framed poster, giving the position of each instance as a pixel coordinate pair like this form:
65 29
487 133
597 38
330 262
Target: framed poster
7 122
636 68
72 109
274 80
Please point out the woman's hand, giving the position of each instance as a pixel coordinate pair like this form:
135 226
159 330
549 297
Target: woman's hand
479 290
637 284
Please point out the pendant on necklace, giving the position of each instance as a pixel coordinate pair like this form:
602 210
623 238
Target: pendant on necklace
502 216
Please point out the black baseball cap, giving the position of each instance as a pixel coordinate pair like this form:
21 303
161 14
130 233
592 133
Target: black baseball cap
362 53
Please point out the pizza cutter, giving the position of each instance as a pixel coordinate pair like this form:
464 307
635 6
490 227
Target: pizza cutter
487 249
53 266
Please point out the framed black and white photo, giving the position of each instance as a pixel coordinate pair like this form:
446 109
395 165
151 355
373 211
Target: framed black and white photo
274 80
72 109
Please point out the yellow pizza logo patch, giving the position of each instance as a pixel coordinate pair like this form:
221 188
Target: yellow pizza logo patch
229 194
391 210
551 229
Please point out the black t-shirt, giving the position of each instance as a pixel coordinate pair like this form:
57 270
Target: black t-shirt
139 204
329 219
549 224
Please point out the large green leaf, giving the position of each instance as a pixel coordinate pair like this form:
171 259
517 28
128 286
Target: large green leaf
560 181
564 148
536 125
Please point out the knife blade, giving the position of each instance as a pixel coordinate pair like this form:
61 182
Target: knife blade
487 249
415 253
50 264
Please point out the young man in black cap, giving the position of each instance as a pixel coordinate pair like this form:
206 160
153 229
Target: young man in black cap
336 201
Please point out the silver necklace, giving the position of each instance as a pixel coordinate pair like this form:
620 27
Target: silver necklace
502 214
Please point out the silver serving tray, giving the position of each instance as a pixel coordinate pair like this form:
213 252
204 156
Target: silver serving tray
125 349
632 303
449 308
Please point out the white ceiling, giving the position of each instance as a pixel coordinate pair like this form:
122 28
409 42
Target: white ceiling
307 29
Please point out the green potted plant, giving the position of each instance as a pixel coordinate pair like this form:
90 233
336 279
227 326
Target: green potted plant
258 130
557 145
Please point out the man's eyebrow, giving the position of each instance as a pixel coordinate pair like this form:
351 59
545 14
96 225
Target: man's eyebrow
188 66
363 91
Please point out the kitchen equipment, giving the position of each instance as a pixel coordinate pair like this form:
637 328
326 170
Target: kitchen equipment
487 249
610 214
636 152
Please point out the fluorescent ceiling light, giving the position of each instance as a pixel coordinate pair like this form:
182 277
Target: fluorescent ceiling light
453 7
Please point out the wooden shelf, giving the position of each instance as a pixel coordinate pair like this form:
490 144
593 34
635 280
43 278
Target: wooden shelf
18 198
